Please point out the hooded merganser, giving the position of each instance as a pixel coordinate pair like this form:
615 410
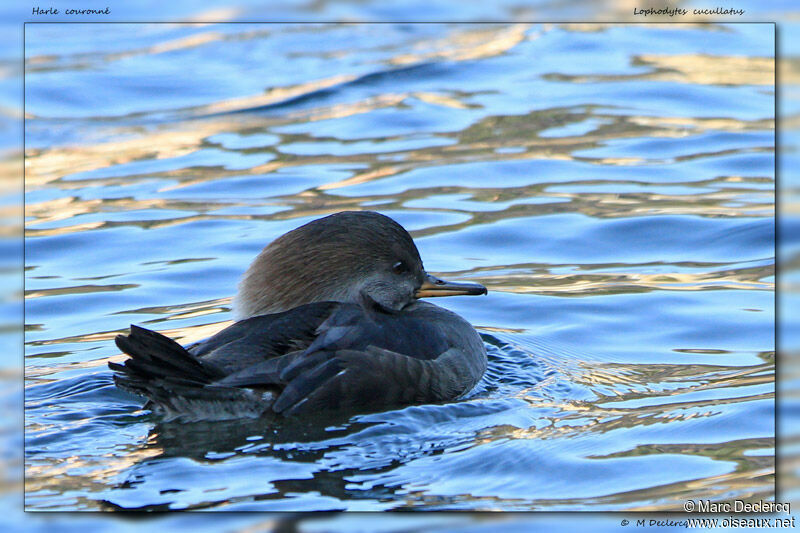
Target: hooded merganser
329 318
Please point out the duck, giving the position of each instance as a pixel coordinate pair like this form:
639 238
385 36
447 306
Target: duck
328 317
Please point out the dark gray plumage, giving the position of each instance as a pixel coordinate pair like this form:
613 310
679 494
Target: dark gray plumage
331 321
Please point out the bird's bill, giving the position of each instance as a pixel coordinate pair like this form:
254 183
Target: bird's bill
433 286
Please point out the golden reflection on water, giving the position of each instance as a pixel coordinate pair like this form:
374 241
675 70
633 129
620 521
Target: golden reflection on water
478 42
699 69
43 168
620 283
82 475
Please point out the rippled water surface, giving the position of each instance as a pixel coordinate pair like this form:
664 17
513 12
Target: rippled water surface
612 186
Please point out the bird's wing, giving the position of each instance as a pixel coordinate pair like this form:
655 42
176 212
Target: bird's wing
250 342
361 358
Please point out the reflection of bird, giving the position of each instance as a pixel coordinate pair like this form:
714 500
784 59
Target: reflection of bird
329 320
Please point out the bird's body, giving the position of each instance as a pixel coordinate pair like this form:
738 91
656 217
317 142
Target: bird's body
366 344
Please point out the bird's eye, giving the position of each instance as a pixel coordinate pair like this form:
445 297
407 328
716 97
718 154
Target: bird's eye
400 268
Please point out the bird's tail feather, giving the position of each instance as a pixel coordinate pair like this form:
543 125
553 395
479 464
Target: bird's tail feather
177 383
156 357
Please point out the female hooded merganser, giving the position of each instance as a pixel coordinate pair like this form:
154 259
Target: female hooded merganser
329 318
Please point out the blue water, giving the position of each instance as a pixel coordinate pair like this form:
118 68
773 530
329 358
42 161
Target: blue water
612 186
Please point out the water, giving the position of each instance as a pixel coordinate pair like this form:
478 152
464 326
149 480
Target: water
612 186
